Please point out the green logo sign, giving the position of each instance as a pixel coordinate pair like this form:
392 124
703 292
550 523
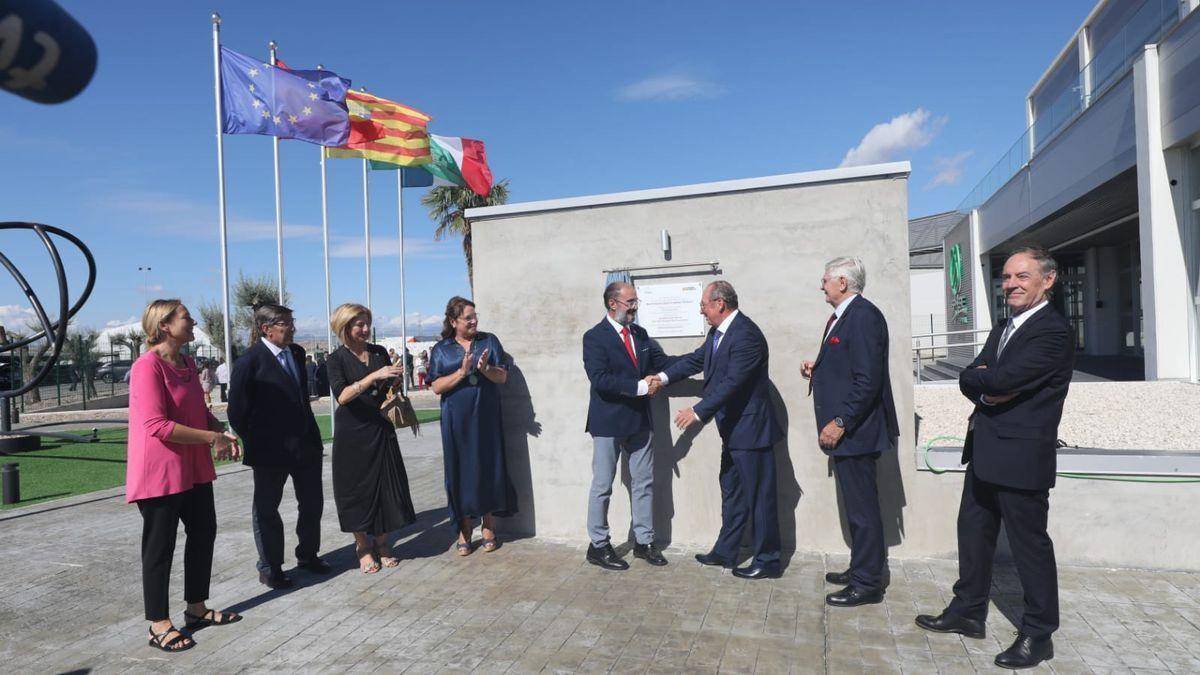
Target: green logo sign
954 268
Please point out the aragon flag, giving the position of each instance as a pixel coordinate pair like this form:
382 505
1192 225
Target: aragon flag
385 131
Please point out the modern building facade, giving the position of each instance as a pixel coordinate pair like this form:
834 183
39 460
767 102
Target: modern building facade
1106 175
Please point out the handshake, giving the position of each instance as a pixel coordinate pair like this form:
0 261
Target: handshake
653 384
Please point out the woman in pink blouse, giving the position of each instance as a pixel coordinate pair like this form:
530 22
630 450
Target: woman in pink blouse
169 473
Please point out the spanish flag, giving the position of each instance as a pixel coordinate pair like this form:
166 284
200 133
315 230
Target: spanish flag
384 131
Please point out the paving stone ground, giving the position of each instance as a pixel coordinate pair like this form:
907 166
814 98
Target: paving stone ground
70 600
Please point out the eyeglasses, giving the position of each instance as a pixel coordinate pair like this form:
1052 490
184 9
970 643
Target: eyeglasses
474 318
629 303
284 323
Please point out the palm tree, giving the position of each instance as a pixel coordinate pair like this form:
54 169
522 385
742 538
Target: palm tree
446 205
132 340
80 349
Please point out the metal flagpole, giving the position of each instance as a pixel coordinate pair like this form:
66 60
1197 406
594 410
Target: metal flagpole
403 312
278 200
328 302
216 33
367 231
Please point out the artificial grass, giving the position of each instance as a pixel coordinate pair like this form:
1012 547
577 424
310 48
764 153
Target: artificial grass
64 468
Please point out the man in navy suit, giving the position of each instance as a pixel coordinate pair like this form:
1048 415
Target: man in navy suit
621 363
269 410
856 421
734 360
1018 384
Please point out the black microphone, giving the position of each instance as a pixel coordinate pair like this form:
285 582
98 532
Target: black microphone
45 55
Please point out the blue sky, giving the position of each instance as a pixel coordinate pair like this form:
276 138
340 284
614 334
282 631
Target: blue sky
570 98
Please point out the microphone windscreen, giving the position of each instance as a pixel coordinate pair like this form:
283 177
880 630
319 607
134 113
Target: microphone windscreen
45 54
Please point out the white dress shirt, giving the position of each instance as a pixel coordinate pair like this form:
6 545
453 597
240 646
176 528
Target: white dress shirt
642 388
1016 320
838 312
724 328
276 350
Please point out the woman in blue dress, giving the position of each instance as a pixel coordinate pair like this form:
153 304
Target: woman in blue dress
467 369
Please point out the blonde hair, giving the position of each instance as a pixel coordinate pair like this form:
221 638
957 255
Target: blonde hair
343 316
157 313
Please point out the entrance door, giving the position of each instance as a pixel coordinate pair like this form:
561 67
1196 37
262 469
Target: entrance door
1129 297
1068 297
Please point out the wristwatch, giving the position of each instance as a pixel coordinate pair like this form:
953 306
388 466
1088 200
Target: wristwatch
841 423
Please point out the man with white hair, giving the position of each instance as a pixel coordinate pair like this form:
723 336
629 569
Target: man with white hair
856 421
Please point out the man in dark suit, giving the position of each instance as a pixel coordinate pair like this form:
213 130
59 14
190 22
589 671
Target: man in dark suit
269 410
621 362
1018 384
734 360
856 421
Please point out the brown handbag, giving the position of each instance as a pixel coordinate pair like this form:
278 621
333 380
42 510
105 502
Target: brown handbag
398 409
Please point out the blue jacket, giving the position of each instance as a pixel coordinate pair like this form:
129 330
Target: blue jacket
615 410
270 411
850 380
736 388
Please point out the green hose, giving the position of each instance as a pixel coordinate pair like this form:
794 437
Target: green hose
1082 476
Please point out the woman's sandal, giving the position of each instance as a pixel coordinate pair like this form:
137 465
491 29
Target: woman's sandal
387 560
464 548
490 545
367 569
211 617
157 641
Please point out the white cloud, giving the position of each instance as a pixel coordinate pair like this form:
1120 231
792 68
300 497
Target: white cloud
115 323
153 288
15 318
949 169
165 213
902 133
670 87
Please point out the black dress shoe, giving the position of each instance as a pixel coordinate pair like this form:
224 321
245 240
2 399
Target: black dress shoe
275 579
606 557
314 565
713 559
952 623
852 596
649 553
1026 652
757 572
838 578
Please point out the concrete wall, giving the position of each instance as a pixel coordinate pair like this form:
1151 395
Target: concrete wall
928 299
1095 522
538 282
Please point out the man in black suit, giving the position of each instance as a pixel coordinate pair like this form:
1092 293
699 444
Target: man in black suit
856 421
621 362
1018 384
734 359
269 410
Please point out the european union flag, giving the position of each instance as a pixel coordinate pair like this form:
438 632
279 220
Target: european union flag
258 98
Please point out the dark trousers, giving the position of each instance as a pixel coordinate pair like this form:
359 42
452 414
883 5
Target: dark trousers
160 523
860 498
1024 512
748 492
268 526
224 392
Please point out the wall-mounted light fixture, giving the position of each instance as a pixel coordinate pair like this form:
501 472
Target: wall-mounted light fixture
666 245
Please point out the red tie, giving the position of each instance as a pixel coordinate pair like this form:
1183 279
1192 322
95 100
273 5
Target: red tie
629 346
832 318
